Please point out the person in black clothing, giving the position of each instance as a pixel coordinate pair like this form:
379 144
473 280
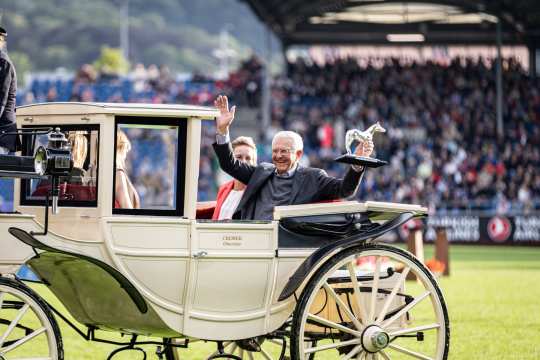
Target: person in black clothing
8 92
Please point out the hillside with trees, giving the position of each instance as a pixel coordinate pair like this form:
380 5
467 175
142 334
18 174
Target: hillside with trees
47 34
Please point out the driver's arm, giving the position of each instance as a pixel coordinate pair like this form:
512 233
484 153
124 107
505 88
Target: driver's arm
6 74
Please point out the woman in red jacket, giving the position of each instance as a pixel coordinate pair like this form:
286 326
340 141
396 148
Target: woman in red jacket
230 193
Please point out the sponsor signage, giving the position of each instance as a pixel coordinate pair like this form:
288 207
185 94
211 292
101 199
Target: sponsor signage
497 229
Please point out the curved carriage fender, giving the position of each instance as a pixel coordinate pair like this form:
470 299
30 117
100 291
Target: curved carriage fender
321 255
133 293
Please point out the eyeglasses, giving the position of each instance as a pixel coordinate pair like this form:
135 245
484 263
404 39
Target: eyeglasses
282 151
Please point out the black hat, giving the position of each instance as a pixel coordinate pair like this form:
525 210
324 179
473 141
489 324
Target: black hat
3 31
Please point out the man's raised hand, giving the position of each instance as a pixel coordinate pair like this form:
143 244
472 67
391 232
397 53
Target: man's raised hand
226 116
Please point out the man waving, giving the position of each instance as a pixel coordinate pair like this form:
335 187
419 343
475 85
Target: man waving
284 181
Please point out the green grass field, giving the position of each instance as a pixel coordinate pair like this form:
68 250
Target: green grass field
493 297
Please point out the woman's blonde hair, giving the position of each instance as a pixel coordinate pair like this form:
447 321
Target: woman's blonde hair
79 148
123 146
247 141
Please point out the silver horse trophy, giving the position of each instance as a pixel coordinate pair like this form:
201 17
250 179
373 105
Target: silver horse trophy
356 136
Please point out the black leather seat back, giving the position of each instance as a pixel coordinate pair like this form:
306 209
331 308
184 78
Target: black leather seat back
314 231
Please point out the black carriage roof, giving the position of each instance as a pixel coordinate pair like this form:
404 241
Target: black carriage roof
369 21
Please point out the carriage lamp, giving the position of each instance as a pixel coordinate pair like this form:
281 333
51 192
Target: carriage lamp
54 160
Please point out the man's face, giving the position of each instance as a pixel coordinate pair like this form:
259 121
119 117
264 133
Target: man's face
283 155
245 154
2 42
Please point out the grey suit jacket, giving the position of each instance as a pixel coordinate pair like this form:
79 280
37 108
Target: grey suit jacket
309 184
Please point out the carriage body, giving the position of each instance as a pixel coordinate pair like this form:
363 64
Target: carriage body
160 270
229 293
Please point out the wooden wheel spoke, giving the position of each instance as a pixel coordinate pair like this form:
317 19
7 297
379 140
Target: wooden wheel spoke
374 288
250 355
405 309
2 294
357 350
342 305
14 323
331 346
356 291
21 341
392 295
384 355
409 352
332 324
414 329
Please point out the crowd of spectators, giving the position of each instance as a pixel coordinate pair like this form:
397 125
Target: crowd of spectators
148 84
442 142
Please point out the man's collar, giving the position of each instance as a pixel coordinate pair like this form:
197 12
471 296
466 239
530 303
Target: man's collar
289 173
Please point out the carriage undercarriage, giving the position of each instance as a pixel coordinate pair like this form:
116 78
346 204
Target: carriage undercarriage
331 318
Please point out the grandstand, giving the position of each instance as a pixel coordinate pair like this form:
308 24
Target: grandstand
417 122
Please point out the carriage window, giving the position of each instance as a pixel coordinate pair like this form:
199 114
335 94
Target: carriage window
80 187
149 170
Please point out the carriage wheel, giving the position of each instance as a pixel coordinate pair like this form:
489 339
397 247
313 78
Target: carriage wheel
370 311
27 326
271 348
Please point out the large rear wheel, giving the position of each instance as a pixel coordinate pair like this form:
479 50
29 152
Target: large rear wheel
360 306
28 329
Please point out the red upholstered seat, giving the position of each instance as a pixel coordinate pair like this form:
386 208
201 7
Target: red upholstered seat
70 192
205 209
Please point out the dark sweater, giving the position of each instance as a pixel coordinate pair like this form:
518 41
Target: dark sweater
277 192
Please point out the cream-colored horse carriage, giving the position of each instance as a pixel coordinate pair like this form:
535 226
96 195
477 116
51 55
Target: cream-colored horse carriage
312 283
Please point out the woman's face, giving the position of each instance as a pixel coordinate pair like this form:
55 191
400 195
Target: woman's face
245 154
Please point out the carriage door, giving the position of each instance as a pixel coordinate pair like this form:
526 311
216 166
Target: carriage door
147 233
231 277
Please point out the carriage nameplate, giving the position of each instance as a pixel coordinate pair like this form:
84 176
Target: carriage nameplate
235 239
232 240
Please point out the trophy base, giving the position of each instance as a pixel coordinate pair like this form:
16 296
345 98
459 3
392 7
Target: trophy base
360 160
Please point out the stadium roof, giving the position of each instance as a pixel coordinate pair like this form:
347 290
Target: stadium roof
376 21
